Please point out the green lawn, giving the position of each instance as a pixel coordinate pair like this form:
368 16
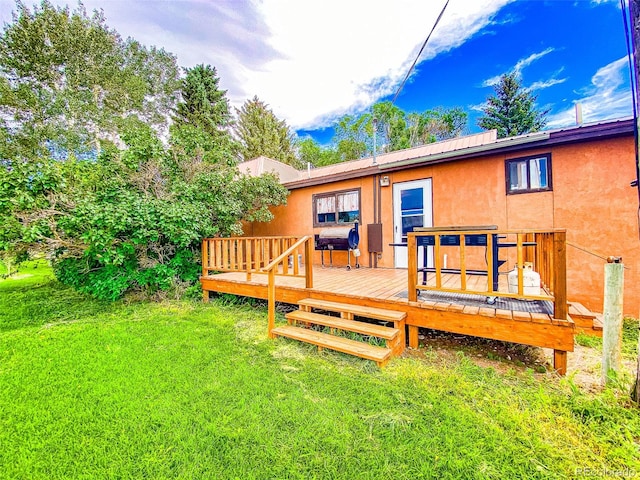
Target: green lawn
186 390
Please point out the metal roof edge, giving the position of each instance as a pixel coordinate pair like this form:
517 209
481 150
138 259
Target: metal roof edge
468 151
348 175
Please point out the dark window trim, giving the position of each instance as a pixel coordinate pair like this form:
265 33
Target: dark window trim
509 161
335 194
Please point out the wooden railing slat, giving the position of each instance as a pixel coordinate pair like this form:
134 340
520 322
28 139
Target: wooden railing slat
520 254
438 266
463 263
490 262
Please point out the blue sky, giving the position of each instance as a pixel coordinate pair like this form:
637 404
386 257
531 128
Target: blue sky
313 61
565 51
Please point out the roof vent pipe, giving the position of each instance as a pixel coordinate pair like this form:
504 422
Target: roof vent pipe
578 113
309 169
375 128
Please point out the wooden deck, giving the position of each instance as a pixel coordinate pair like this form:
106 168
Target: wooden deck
387 288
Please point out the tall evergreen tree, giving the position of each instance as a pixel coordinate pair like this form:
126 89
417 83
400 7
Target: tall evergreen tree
260 132
202 119
512 110
203 104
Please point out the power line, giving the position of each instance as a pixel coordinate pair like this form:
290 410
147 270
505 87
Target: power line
419 53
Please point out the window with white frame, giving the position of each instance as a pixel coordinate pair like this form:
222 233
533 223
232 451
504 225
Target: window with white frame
336 207
528 174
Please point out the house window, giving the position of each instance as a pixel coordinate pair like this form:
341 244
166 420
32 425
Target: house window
336 207
529 174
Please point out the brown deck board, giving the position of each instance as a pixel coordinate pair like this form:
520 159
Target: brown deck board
340 344
387 288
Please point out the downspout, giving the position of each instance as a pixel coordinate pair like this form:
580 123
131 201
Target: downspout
372 255
376 186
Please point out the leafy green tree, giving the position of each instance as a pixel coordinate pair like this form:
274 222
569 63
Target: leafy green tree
395 129
132 220
353 137
435 125
309 151
511 111
260 132
67 79
132 213
391 130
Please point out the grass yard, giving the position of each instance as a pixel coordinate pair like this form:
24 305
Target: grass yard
189 390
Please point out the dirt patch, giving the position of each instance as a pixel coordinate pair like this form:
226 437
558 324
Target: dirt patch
583 364
486 352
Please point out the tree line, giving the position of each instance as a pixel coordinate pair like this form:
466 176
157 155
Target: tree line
115 163
112 165
510 110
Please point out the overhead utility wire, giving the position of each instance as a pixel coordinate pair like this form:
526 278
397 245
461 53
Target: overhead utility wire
419 53
627 13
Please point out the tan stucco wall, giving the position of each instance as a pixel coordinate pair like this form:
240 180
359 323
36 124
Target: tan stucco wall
591 199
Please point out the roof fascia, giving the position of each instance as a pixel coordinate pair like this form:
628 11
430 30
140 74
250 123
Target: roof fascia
538 139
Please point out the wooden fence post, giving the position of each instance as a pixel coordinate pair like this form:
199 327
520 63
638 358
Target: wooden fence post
612 328
271 305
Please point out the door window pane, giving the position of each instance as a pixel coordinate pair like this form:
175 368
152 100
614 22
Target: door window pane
412 199
411 221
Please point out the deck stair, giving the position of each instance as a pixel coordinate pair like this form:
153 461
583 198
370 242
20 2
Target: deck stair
301 321
586 321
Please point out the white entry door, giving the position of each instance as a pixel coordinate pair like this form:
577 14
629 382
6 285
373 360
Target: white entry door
412 207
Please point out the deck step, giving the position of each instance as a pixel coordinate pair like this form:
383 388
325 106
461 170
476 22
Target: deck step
380 355
361 311
598 322
386 333
585 320
579 312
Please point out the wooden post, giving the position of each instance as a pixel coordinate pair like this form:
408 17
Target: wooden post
560 275
413 336
520 255
560 362
205 258
308 263
412 268
612 328
490 261
249 250
436 258
271 298
463 263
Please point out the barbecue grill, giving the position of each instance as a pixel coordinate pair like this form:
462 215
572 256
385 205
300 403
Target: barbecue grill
339 238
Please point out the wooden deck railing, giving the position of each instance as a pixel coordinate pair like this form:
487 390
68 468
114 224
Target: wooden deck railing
275 256
545 249
280 265
242 254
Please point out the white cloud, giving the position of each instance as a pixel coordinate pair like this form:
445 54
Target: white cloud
518 67
525 62
608 97
478 107
340 56
310 61
539 85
